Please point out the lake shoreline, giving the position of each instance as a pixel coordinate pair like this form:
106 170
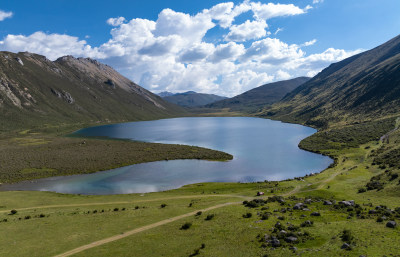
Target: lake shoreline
82 137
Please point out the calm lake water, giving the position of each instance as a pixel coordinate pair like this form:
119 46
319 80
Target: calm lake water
262 149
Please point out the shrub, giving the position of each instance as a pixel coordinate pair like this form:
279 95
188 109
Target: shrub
265 216
210 216
27 217
247 215
185 226
362 190
12 212
347 236
42 215
116 209
163 205
199 213
393 177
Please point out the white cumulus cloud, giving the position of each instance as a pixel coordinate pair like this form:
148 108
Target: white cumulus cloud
4 15
174 52
247 31
50 45
116 21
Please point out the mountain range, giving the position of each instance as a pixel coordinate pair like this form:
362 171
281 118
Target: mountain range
259 97
36 92
190 98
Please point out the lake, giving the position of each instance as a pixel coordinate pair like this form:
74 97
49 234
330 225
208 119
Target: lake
262 149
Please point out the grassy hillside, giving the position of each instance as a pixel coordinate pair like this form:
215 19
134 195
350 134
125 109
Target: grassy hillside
360 88
35 92
259 97
192 99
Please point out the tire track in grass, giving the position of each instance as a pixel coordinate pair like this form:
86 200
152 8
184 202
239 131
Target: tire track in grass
141 229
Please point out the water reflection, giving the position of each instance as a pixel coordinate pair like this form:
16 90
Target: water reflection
262 149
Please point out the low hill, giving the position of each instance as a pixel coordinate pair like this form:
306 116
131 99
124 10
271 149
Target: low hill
259 97
193 99
35 92
363 87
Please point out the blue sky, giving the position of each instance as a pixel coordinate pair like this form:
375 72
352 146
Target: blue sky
207 46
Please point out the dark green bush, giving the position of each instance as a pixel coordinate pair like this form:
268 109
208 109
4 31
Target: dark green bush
247 215
186 226
210 217
347 236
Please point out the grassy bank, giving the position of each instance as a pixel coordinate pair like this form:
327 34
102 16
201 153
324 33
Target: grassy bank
30 155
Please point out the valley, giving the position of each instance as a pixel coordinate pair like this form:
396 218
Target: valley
349 209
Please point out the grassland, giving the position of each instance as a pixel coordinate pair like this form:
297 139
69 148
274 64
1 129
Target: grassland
51 224
48 224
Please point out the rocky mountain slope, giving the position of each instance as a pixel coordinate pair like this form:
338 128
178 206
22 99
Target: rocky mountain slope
192 99
260 97
35 92
363 87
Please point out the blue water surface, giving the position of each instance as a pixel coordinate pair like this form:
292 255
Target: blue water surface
262 149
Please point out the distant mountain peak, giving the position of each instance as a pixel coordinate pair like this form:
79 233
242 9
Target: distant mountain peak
259 97
191 98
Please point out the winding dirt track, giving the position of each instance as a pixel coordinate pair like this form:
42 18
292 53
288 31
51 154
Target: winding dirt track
121 202
137 230
160 223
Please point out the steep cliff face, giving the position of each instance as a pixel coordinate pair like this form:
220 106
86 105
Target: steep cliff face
36 91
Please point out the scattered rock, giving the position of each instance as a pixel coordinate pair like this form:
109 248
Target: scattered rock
19 61
67 97
282 233
347 203
372 212
298 206
391 224
327 203
56 93
307 201
110 83
315 214
307 223
345 246
291 239
274 242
